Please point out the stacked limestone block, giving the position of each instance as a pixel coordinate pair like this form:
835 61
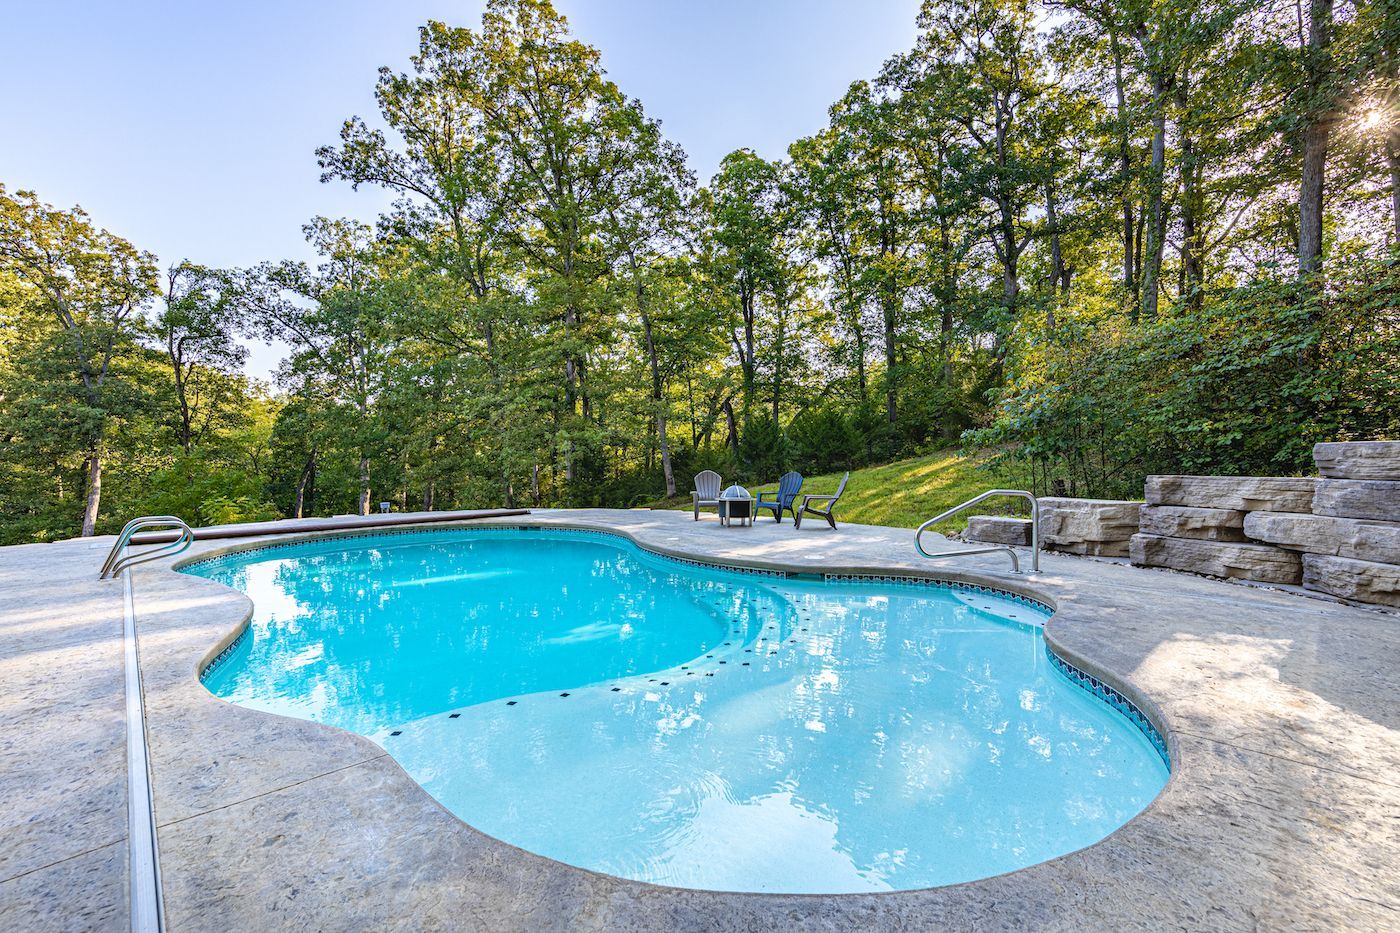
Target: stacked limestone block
1350 544
1093 527
1200 524
998 529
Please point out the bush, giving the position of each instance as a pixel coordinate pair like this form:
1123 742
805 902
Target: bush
824 440
762 450
1244 385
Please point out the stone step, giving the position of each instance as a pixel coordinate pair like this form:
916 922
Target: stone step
1186 521
1362 580
1242 493
1358 460
1260 562
998 529
1066 521
1358 498
1322 534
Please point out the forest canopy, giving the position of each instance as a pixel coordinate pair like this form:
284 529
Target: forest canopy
1090 240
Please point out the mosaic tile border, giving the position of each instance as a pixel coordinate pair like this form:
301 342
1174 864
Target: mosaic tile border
904 580
1113 698
219 659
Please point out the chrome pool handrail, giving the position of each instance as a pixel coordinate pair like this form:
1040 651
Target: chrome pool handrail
116 563
1010 551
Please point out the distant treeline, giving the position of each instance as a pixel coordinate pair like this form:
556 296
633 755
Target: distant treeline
1100 240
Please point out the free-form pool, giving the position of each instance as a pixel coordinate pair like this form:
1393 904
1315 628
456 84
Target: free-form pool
574 695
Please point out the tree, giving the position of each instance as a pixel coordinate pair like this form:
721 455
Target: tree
334 318
643 230
1318 126
984 62
196 330
93 286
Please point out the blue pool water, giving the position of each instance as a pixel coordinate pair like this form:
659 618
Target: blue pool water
583 699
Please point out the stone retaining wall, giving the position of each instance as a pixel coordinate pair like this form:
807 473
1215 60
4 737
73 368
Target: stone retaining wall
1339 534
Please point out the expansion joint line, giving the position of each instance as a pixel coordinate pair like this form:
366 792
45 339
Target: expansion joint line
147 915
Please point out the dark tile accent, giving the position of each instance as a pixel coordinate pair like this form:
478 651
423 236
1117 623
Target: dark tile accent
1114 699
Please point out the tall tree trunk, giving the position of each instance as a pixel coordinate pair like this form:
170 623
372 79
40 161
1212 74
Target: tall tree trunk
1315 137
891 360
948 289
94 494
364 485
658 399
746 361
889 306
1125 173
732 425
1392 158
307 472
1059 278
945 339
1137 261
1156 221
428 489
1391 140
1191 246
186 416
571 376
780 336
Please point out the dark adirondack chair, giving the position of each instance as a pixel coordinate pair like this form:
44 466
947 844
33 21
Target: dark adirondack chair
825 511
777 502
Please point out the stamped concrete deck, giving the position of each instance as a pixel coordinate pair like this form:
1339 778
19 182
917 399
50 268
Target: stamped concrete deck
1283 810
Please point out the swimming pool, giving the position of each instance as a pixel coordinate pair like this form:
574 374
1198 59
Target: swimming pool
628 713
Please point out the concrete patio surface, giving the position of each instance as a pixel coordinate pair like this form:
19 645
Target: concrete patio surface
1282 714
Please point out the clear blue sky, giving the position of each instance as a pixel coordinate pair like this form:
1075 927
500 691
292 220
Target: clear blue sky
189 127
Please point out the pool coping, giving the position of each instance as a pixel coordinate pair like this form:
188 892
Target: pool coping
1058 633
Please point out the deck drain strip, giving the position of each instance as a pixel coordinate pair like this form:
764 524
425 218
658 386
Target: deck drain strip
147 915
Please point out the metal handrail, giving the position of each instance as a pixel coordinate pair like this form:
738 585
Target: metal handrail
116 563
1010 551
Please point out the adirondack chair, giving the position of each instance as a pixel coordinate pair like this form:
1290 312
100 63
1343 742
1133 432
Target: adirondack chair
707 484
776 502
825 512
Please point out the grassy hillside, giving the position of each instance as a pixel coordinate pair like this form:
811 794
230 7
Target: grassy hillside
901 494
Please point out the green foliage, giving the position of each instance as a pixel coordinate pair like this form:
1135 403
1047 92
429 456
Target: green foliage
763 451
1064 233
203 492
824 439
1246 384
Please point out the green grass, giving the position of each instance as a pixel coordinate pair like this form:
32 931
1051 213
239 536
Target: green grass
902 494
